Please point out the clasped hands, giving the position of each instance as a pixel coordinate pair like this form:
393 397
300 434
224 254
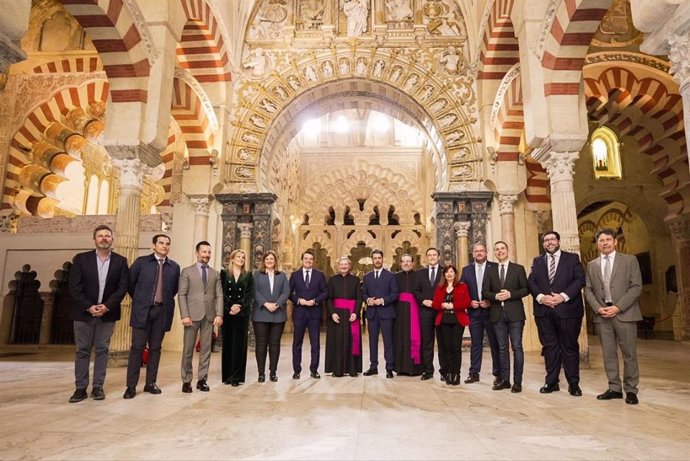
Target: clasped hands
272 307
552 300
484 303
503 295
608 311
97 310
305 303
217 321
336 317
375 302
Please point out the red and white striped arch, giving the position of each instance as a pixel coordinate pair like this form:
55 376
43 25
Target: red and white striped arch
196 127
499 49
71 65
649 109
120 44
509 122
202 50
566 42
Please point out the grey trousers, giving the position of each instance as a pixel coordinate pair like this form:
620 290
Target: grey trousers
204 328
93 334
614 334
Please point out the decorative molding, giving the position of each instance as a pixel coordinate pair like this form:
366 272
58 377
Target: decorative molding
462 229
132 171
202 204
549 17
560 165
628 57
194 84
508 78
9 53
147 153
152 52
679 55
482 30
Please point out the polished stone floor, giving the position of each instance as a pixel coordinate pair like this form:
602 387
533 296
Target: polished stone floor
342 418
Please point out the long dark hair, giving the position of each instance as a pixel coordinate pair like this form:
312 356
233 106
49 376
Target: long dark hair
444 283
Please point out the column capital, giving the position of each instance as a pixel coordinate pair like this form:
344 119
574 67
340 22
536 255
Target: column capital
560 165
245 230
144 152
679 55
680 229
202 204
506 202
132 172
462 229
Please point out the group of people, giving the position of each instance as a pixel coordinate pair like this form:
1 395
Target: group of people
411 309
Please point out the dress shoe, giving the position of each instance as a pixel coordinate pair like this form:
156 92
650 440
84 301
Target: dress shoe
472 378
371 372
202 386
574 390
187 388
234 383
389 374
315 375
497 379
78 396
443 377
426 376
353 374
609 394
295 375
97 393
338 375
151 388
262 378
549 388
501 385
130 393
516 389
273 377
631 398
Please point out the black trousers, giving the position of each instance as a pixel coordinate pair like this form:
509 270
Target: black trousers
478 325
313 325
559 340
428 334
450 337
152 335
267 335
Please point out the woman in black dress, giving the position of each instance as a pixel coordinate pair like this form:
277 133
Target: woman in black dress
238 294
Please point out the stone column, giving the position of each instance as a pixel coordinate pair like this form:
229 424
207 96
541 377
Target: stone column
680 237
246 241
507 211
462 230
46 318
202 205
679 54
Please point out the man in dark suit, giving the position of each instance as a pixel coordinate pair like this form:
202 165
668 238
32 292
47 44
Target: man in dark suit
427 279
480 315
97 285
201 309
556 281
505 285
380 295
308 290
614 285
153 284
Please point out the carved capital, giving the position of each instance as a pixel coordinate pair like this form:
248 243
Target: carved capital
506 202
679 54
202 204
542 217
245 230
560 165
132 172
680 230
462 229
144 152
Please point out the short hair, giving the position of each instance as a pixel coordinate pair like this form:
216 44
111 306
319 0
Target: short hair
157 236
605 231
501 241
232 256
100 228
551 232
446 268
201 244
432 249
376 251
345 258
408 255
308 252
262 266
478 244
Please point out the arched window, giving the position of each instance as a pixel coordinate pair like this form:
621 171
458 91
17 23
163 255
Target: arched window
606 155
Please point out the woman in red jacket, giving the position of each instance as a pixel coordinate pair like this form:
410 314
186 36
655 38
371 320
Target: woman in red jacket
451 299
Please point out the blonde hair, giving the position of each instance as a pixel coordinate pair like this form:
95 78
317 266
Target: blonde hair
232 256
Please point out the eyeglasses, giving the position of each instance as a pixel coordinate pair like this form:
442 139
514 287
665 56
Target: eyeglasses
550 239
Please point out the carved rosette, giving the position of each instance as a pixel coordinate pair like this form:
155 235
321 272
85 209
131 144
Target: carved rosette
679 55
506 202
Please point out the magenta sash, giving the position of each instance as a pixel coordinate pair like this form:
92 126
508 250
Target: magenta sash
355 331
415 329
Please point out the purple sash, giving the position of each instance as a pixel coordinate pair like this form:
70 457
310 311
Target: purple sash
356 333
415 329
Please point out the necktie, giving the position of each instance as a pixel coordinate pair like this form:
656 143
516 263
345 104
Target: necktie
607 279
480 279
552 268
376 275
432 277
306 279
158 298
502 275
204 276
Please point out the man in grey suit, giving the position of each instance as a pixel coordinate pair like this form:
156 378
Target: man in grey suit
201 309
614 284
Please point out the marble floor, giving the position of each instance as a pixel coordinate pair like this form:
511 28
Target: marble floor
342 418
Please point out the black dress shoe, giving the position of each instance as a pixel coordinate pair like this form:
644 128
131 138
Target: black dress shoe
97 393
497 379
575 390
202 386
353 374
609 394
549 388
151 388
187 388
262 378
371 372
426 376
78 396
472 378
295 375
516 389
315 375
273 377
631 398
389 374
443 376
338 375
130 393
501 385
234 383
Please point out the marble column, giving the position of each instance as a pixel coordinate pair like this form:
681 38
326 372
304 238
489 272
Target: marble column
506 209
679 55
246 240
46 318
680 237
462 230
202 205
